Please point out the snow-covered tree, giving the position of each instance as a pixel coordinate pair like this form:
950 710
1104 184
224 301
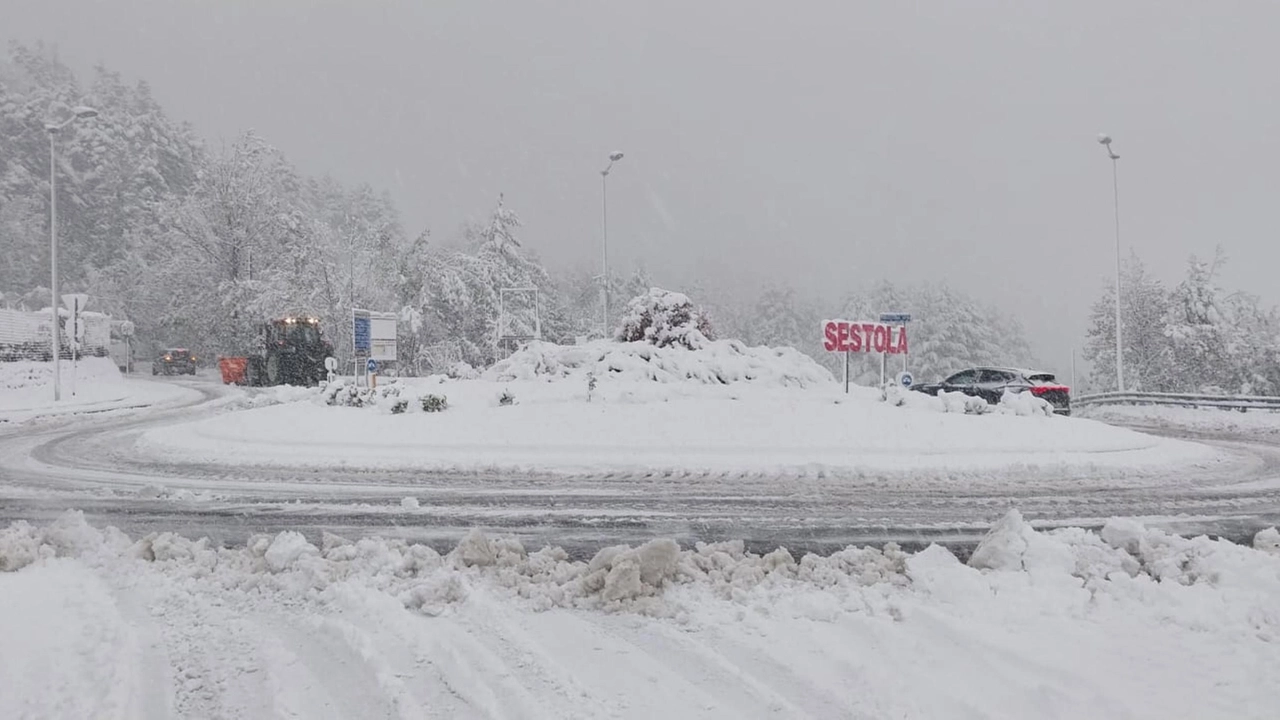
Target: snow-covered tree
459 299
1149 354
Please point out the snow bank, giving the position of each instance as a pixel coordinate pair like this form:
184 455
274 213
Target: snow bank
92 384
1212 420
26 375
720 362
629 578
1063 623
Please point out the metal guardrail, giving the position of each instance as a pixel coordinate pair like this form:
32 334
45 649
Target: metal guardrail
1241 403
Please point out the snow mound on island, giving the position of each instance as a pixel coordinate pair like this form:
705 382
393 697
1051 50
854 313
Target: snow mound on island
718 362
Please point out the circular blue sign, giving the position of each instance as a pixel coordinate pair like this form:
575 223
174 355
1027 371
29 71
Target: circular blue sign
905 379
371 365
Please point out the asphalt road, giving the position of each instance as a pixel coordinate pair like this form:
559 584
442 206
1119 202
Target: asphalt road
87 463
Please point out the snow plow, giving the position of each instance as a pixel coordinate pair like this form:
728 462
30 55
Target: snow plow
292 351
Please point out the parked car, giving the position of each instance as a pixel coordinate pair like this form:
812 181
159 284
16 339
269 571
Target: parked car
990 384
174 361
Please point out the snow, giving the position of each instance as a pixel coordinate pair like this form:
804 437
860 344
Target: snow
1254 423
26 389
721 362
633 407
1126 622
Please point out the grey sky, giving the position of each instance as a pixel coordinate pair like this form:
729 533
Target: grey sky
824 143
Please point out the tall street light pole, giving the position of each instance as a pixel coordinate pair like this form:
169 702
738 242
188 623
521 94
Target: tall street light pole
1115 183
80 113
604 246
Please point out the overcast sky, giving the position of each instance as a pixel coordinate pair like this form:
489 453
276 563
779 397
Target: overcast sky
826 144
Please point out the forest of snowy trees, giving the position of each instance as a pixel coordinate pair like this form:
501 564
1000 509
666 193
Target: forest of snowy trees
1192 337
195 242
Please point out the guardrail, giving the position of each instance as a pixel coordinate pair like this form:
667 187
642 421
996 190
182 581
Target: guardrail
1242 403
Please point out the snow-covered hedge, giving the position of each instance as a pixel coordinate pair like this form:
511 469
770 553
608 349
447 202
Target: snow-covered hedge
717 362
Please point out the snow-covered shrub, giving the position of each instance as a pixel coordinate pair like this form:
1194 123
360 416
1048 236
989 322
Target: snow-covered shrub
347 394
506 398
399 406
1025 404
894 394
434 403
664 318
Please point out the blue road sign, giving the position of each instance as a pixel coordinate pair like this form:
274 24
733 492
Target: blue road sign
371 365
360 331
905 379
895 318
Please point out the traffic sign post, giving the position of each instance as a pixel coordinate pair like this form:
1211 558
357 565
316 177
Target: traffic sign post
75 302
896 319
371 369
905 379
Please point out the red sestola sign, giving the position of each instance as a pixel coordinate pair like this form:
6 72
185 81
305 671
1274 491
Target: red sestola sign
846 336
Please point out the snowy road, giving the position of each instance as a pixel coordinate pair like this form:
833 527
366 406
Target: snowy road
84 463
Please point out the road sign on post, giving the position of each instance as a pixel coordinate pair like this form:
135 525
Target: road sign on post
371 365
361 333
897 319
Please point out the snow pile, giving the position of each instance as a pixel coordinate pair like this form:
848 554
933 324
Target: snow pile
639 578
25 375
1015 404
98 625
1267 541
720 362
1025 404
1214 420
252 398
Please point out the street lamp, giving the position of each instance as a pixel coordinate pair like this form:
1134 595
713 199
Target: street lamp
79 113
614 157
1105 140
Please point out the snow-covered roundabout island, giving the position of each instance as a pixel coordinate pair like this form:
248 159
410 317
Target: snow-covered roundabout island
723 408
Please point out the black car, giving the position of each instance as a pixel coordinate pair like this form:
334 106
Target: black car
990 384
174 361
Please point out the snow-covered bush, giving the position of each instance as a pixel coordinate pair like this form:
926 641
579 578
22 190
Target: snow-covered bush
434 403
347 394
507 398
664 318
399 406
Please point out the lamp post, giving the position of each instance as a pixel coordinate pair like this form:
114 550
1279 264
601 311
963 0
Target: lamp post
604 245
1105 140
79 113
